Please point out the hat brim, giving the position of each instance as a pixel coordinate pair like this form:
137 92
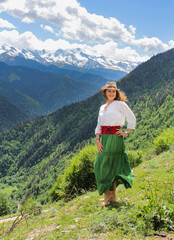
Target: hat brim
111 88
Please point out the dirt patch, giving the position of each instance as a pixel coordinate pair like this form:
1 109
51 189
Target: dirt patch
40 231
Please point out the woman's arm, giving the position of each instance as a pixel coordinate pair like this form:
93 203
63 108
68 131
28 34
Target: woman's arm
99 144
124 134
130 119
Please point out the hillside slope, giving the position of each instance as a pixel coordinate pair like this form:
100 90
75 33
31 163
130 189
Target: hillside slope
10 114
37 92
142 212
35 152
157 73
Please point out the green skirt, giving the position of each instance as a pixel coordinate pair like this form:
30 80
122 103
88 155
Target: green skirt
112 164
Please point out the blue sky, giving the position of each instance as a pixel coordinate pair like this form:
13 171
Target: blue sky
132 30
153 18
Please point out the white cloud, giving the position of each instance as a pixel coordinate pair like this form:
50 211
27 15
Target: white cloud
171 43
30 41
75 22
152 45
9 37
5 24
47 28
27 20
20 41
110 50
132 29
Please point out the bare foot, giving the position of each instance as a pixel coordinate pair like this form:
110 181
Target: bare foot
112 197
101 200
104 204
106 198
113 200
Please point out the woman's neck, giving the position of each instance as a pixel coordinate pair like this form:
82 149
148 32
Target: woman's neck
109 102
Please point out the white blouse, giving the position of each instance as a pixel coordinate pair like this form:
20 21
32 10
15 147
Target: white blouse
115 115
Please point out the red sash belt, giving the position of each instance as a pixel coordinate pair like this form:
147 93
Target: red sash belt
109 129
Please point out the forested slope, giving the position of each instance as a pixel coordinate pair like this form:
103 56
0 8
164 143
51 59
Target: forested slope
10 114
38 92
157 73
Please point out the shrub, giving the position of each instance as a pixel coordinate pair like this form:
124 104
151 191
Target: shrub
78 177
164 141
31 206
4 205
135 158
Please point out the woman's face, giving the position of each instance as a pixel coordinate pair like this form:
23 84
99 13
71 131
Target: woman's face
110 94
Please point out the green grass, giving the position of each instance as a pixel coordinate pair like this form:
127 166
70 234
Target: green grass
132 217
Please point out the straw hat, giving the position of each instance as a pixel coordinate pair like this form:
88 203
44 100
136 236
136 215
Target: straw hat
109 85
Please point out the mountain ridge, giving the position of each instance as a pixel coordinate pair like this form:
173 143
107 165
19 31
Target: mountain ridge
73 59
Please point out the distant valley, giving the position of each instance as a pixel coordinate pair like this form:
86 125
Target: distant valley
39 91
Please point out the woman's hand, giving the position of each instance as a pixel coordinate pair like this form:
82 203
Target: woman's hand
120 133
99 147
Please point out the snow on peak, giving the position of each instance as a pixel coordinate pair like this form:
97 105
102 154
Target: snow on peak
72 57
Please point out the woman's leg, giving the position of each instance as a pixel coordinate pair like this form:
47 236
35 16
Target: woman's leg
106 198
109 196
113 193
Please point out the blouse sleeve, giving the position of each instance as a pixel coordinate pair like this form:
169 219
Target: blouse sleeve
129 115
98 127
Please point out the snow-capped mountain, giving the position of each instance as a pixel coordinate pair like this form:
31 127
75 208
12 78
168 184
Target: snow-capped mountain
70 59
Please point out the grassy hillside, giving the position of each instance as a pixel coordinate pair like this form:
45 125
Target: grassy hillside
143 212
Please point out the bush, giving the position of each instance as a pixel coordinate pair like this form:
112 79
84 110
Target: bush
78 177
31 206
164 141
4 205
135 158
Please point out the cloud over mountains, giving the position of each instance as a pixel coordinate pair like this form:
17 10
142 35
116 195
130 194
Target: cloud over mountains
69 22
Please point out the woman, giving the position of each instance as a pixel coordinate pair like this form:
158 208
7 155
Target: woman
112 166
